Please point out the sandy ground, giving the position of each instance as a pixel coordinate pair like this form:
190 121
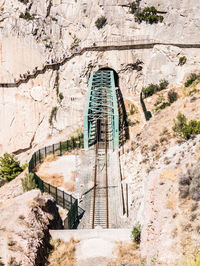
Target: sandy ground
61 172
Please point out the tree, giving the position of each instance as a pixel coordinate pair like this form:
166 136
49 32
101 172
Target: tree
9 167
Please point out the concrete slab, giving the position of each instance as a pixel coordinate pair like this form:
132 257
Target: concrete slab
96 246
83 234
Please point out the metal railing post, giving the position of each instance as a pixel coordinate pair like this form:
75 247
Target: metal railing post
53 149
71 200
60 149
56 194
63 199
45 149
35 162
39 157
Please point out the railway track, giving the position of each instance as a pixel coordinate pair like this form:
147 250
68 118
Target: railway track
100 210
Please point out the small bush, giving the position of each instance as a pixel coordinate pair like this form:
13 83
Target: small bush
28 182
162 106
163 85
193 77
182 60
61 97
54 19
136 233
153 88
179 124
150 90
75 43
172 96
134 6
26 15
9 167
53 115
159 100
184 129
133 109
149 15
100 22
24 1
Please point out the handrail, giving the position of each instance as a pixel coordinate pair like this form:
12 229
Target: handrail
62 198
92 45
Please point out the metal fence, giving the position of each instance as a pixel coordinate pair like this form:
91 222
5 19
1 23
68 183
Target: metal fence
62 198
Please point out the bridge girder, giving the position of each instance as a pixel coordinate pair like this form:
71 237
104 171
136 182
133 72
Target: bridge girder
101 104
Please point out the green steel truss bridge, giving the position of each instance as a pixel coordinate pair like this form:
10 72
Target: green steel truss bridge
101 106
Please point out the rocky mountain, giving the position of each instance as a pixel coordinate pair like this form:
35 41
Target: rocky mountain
157 165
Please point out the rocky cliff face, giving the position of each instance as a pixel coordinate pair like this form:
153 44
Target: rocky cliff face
35 30
31 31
153 167
25 221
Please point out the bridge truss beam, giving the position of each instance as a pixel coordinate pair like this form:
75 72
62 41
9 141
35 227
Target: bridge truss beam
101 104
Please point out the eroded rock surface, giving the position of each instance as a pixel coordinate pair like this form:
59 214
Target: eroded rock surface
24 225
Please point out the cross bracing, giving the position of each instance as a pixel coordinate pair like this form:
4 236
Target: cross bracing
101 105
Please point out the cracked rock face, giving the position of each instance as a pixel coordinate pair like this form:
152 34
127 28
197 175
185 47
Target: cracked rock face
25 221
51 30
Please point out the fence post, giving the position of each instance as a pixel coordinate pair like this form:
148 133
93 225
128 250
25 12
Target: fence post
79 138
35 160
42 185
53 149
63 199
45 151
71 200
60 149
56 195
39 157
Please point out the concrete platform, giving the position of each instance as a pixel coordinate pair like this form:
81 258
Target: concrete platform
96 246
83 234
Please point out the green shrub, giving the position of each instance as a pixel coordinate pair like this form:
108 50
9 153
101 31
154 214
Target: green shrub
134 6
149 90
75 43
184 129
191 79
28 182
132 109
163 85
24 1
61 97
172 96
182 60
53 115
159 100
149 15
49 45
26 15
163 106
153 88
136 233
100 22
179 124
9 167
54 19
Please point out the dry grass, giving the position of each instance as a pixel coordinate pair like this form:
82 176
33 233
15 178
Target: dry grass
127 255
70 185
191 261
170 174
172 201
51 158
63 253
55 179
